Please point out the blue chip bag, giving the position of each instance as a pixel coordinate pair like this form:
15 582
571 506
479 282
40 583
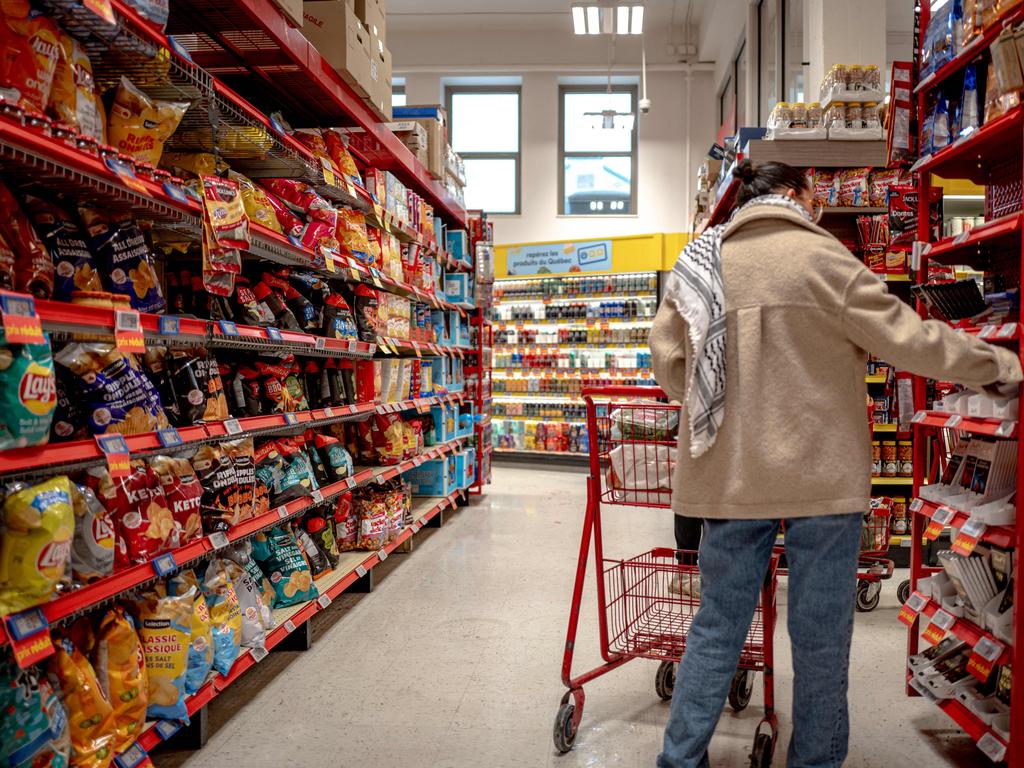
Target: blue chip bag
34 726
280 558
225 615
200 649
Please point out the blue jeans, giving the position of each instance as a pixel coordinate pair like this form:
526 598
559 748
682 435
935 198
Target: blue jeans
734 554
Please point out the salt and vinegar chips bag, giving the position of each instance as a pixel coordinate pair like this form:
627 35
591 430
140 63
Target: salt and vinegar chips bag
200 651
225 615
89 711
121 669
38 526
281 558
34 726
165 628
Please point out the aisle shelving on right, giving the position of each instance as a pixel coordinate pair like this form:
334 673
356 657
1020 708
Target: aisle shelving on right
961 618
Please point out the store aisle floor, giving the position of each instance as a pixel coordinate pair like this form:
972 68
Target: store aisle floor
453 661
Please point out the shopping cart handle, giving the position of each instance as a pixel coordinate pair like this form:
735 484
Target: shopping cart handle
654 392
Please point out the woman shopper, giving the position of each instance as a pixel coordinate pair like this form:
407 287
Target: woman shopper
763 336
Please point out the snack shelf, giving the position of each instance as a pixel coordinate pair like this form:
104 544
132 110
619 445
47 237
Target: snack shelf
994 332
569 373
974 156
564 455
251 46
351 567
542 419
975 48
864 210
65 168
892 481
569 345
547 299
999 233
976 728
569 322
93 595
885 427
968 631
389 345
976 426
232 336
999 535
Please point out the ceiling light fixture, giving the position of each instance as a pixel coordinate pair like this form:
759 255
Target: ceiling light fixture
607 18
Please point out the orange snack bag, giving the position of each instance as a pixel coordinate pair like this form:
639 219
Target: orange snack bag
89 711
73 97
121 670
138 125
31 44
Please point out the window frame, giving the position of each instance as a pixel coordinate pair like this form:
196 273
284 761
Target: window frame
449 92
633 90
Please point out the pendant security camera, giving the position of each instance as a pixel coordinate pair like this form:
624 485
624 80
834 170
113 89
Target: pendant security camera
645 106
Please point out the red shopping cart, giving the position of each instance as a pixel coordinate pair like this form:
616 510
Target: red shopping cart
874 565
646 603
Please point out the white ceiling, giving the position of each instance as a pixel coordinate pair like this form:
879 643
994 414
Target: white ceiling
523 15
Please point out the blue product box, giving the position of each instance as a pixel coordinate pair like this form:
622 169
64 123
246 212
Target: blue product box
457 244
442 325
445 425
431 478
470 454
458 288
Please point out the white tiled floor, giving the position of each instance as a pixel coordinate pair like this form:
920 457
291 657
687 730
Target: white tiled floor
454 661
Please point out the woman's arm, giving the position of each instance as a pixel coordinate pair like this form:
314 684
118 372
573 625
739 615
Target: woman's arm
669 341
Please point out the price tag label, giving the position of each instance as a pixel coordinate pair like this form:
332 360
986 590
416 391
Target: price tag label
328 170
360 571
21 323
953 421
219 540
133 757
165 565
289 626
943 619
916 505
986 331
320 343
383 555
350 482
919 417
169 437
29 632
167 728
317 496
124 172
329 262
974 528
176 193
979 668
115 451
170 325
933 634
992 747
227 327
128 332
291 419
328 413
259 653
916 602
233 427
1007 331
282 511
356 275
933 530
274 334
323 601
963 544
944 515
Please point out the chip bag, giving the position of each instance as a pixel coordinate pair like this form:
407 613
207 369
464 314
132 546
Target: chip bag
74 267
200 650
28 393
34 728
372 511
121 669
257 205
216 472
138 126
89 711
184 494
352 235
38 526
346 523
280 558
243 455
241 555
255 612
337 148
165 628
73 97
33 269
123 253
225 615
31 45
92 549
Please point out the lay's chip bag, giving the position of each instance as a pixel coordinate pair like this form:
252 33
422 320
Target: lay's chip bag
165 628
121 670
34 726
89 712
225 615
38 526
200 651
28 393
31 45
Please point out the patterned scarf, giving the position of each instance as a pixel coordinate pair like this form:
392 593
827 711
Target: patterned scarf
695 288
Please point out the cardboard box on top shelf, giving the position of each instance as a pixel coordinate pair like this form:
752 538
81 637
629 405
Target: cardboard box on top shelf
379 96
292 9
334 29
435 120
372 14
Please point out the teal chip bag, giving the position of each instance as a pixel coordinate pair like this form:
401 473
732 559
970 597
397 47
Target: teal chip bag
34 726
28 393
280 558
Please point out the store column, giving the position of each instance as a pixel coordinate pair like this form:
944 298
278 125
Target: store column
841 32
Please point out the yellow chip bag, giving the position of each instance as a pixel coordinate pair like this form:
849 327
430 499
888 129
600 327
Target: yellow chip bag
188 164
73 98
165 628
89 711
200 652
35 547
139 126
257 205
225 615
121 669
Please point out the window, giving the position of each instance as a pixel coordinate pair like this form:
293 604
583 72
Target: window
398 98
769 42
484 128
598 163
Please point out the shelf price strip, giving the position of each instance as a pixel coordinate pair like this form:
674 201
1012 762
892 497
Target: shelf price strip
910 610
983 658
940 519
968 537
940 625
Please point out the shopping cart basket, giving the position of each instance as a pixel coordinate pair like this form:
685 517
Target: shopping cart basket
874 565
646 603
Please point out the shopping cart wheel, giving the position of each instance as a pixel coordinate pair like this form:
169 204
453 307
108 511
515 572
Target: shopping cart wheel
565 731
665 680
761 755
741 689
869 593
903 591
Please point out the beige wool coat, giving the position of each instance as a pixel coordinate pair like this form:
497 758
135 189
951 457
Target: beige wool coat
802 314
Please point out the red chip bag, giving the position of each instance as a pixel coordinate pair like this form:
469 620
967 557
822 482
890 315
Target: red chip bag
138 507
290 223
31 46
183 493
302 198
33 269
346 523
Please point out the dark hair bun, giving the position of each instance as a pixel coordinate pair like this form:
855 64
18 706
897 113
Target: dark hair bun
745 171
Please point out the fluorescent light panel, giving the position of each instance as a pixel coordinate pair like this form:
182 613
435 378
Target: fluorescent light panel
608 18
579 20
593 20
637 26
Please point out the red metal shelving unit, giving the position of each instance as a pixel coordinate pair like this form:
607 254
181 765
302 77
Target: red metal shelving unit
991 156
